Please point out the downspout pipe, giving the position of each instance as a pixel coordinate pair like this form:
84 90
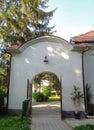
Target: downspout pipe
83 76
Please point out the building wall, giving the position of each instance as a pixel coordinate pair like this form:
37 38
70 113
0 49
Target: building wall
62 62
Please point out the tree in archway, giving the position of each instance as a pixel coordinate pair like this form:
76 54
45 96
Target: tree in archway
38 81
54 83
46 90
22 20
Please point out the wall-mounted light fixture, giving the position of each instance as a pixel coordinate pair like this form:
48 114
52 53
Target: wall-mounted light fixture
46 59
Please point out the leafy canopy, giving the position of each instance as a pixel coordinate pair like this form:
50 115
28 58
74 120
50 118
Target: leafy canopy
22 20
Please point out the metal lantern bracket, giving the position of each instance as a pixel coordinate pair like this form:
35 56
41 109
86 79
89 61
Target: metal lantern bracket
46 59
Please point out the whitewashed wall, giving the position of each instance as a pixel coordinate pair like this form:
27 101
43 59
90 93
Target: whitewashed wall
29 63
89 71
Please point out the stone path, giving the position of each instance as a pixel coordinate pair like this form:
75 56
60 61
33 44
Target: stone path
46 116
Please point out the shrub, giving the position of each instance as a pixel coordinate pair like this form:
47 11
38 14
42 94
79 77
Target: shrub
35 96
88 94
2 95
76 95
46 91
45 98
39 97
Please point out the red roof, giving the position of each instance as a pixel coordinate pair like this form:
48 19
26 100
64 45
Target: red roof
80 45
89 36
83 40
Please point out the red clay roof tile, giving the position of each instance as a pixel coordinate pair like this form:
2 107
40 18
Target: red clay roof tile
89 36
80 45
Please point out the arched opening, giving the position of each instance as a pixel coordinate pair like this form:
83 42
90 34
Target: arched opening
46 94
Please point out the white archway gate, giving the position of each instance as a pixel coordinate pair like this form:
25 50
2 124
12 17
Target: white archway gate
28 60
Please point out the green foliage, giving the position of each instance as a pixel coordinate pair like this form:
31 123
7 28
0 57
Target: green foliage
54 83
22 20
89 99
84 127
76 95
2 95
46 91
37 81
35 96
4 68
54 98
42 97
39 97
4 71
88 94
15 123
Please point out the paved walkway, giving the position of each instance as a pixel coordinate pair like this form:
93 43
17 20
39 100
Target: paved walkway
46 116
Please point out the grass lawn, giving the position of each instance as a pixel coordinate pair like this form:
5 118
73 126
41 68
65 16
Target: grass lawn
54 98
84 127
14 123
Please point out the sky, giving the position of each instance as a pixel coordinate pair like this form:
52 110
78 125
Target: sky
72 17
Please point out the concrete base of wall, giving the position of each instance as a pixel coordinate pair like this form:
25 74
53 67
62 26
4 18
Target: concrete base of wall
71 114
14 111
64 114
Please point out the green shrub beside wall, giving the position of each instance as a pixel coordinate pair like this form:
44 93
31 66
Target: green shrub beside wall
2 95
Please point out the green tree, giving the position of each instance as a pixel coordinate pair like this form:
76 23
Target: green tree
22 20
4 69
2 95
46 91
54 83
38 82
